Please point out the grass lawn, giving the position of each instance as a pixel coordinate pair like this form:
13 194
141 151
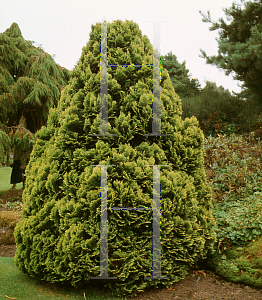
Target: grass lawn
5 175
17 285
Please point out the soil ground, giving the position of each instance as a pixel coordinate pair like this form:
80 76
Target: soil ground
198 285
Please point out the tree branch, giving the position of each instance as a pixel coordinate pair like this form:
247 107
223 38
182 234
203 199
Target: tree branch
14 127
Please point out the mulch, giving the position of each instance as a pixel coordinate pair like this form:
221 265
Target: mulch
11 194
7 250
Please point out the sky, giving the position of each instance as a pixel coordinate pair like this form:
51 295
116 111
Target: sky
62 28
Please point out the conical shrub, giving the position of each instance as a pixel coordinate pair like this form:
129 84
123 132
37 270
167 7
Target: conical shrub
58 237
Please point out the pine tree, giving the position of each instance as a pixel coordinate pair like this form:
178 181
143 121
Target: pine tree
184 85
239 45
58 237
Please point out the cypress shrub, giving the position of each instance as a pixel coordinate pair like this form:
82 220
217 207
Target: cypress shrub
58 237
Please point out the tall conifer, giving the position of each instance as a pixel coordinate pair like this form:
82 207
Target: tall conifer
240 45
30 84
30 80
184 85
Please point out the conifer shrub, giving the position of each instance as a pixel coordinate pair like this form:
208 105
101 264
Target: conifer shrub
58 237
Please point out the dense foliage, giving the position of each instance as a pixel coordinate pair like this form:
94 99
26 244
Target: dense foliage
30 84
240 45
23 141
5 146
233 166
30 80
58 237
18 140
209 100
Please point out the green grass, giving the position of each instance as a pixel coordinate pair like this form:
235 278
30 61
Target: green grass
5 175
15 284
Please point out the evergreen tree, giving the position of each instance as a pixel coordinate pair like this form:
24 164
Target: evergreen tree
30 84
30 81
240 45
58 237
184 85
